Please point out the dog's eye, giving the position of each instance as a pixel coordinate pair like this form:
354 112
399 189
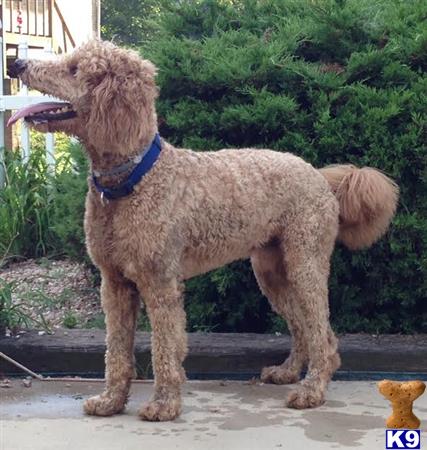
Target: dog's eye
73 70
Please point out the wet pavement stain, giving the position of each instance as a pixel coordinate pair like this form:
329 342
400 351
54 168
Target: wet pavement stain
243 419
342 428
335 404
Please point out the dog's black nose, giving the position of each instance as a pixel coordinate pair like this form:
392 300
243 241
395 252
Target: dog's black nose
16 68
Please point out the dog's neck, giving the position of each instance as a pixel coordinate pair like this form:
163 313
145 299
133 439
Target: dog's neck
105 161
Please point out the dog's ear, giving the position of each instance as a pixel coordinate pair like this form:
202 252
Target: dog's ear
122 109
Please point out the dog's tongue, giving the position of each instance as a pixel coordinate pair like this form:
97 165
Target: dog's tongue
32 109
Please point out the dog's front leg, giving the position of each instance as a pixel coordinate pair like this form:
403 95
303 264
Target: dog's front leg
120 302
164 304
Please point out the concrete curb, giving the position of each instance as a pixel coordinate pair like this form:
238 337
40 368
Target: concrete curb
211 355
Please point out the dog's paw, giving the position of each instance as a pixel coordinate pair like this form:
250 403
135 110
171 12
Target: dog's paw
305 396
279 375
103 405
161 409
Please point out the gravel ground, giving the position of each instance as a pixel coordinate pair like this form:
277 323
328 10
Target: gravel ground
47 295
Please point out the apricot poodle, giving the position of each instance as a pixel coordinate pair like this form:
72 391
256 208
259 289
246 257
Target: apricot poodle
157 215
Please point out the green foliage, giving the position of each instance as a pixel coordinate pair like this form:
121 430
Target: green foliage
98 322
14 314
124 22
70 320
68 207
41 212
11 314
25 204
331 81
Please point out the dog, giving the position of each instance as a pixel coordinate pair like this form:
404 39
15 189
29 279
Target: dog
157 215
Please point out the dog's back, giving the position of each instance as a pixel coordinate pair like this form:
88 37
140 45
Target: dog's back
233 201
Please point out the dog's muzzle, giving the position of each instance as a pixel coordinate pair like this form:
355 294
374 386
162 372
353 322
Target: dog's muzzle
16 68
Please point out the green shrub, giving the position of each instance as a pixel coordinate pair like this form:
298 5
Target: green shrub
25 205
12 315
70 187
15 314
124 22
331 81
41 213
70 320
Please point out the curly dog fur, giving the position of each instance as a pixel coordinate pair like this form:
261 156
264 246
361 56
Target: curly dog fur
194 212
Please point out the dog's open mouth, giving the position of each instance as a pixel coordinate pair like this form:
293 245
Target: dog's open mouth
44 113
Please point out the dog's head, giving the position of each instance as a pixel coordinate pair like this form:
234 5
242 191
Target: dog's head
108 93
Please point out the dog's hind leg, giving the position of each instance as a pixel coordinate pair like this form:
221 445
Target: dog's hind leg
165 308
309 285
120 302
308 243
269 269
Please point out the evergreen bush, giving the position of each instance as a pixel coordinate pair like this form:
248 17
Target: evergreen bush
333 81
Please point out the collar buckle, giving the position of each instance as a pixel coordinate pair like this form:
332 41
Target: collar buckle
103 200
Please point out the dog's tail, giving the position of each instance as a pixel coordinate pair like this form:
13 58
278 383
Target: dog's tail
367 200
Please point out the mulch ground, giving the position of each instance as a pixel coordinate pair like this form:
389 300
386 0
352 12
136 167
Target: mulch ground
46 295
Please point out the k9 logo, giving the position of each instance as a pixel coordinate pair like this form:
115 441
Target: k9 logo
402 439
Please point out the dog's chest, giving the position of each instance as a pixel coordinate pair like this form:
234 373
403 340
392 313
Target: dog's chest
110 232
125 236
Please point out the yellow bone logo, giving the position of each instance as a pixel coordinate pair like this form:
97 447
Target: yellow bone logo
402 396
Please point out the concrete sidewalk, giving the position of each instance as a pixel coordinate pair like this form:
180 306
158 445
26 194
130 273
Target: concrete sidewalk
217 415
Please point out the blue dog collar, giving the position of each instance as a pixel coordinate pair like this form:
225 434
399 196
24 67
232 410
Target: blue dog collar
142 168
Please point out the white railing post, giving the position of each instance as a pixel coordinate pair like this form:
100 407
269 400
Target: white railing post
2 140
50 137
50 152
25 132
